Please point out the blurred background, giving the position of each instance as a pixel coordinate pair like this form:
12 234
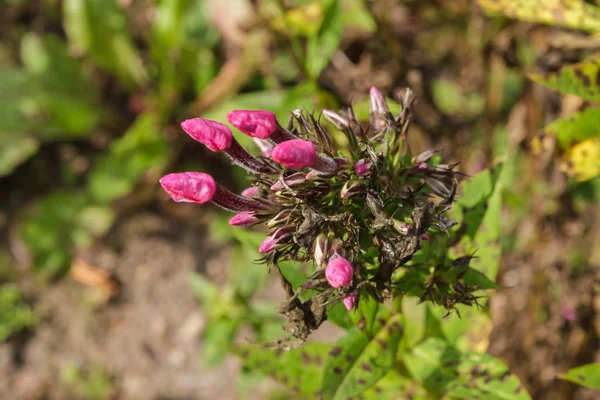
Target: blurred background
109 290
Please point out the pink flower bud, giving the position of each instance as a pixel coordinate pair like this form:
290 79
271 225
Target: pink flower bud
243 219
212 134
252 191
349 301
190 187
421 166
337 120
272 242
362 167
255 123
379 109
295 154
339 272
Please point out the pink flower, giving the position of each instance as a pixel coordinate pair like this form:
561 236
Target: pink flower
212 134
244 218
252 191
295 154
272 242
349 301
362 167
190 187
339 272
255 123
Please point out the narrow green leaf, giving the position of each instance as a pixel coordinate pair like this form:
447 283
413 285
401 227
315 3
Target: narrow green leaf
99 28
575 14
356 363
298 369
217 339
320 47
579 79
586 375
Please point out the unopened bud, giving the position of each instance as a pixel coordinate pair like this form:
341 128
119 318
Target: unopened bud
255 123
363 167
321 249
339 272
243 219
189 187
424 156
379 109
350 188
252 191
279 218
401 227
295 154
337 120
350 300
212 134
273 241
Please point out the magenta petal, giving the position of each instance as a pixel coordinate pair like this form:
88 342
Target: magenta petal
189 187
255 123
252 191
244 218
362 167
295 154
212 134
339 272
350 301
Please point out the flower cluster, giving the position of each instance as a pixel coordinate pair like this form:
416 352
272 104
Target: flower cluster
355 212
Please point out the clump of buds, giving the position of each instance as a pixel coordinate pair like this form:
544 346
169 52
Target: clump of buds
355 217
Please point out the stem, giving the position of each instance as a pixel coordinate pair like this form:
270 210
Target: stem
232 202
247 160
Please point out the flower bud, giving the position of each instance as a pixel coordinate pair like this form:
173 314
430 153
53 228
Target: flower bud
244 218
279 218
321 249
401 227
339 272
349 301
350 188
212 134
272 242
379 109
189 187
424 156
295 154
363 167
295 179
255 123
252 191
337 120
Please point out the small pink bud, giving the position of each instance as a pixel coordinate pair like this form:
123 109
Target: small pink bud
362 167
339 272
252 191
424 236
421 166
424 156
272 242
569 314
379 109
255 123
190 187
349 301
295 154
337 120
243 219
212 134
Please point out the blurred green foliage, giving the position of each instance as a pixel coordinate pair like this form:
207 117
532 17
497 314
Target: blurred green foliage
15 315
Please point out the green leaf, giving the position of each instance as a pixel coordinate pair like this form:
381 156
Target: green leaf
454 375
15 315
298 369
394 386
52 227
141 150
64 93
575 14
579 127
337 314
218 337
15 148
450 99
356 363
203 288
322 45
578 79
292 272
586 375
99 28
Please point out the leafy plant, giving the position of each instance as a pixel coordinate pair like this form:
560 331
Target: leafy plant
15 315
